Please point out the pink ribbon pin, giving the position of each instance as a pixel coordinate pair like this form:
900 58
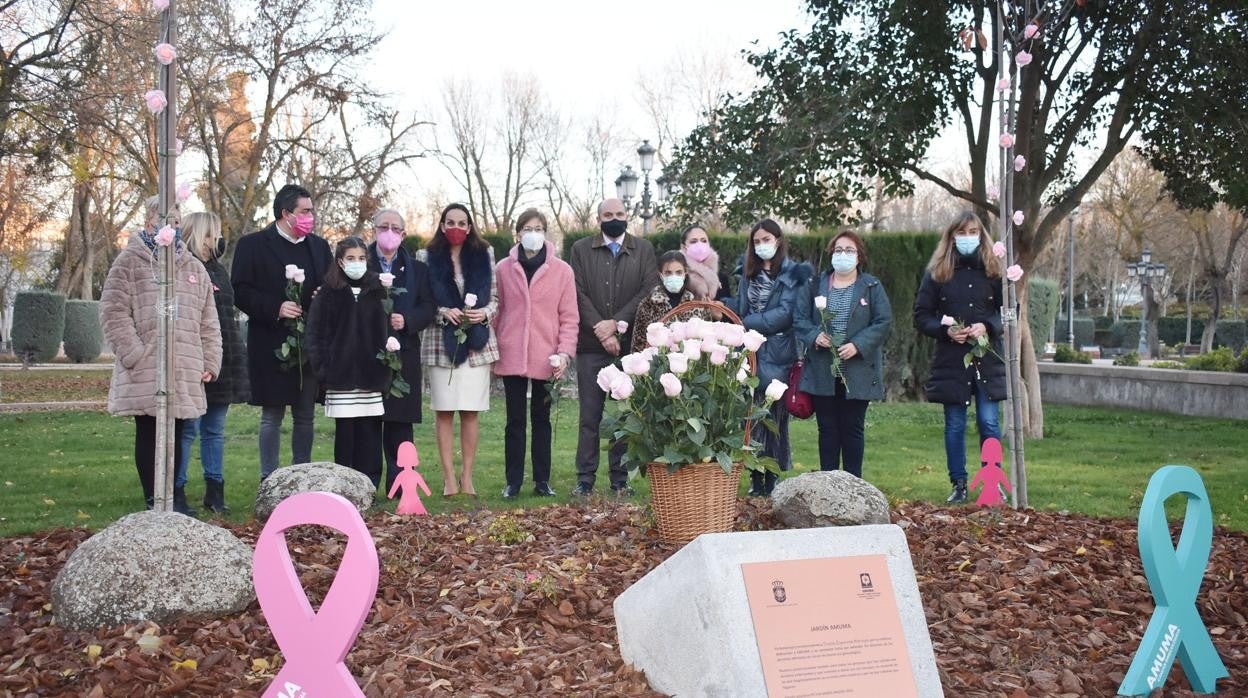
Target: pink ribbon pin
315 643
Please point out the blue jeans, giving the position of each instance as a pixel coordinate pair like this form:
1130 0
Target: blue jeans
211 430
986 421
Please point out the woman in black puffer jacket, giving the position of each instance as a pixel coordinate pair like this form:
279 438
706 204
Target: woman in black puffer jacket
958 302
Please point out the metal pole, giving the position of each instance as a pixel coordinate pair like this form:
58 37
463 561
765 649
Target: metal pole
166 130
646 213
1070 285
1142 349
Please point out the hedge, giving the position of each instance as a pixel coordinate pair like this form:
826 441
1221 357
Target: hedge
1085 331
1125 334
84 338
1172 330
38 324
1231 333
1042 302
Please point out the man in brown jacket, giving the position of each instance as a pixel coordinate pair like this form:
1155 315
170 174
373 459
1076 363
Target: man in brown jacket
614 272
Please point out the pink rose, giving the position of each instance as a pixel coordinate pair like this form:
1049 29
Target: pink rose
998 248
719 355
1003 84
1030 31
693 348
994 191
608 376
298 277
1007 140
386 279
1022 58
1019 163
621 327
165 53
165 236
392 344
753 340
555 361
635 364
470 300
160 5
622 388
290 271
775 390
677 362
155 100
1019 218
1014 272
742 374
177 146
947 321
729 334
657 334
184 192
680 331
671 384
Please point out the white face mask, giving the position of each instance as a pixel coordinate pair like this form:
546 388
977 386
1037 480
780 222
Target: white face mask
765 251
533 241
674 283
355 270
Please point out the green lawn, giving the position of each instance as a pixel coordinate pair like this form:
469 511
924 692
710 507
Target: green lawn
70 469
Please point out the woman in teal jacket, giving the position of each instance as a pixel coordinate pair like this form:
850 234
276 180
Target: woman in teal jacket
859 319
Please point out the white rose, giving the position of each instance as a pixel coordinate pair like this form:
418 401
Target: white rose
387 279
470 300
556 361
290 271
392 344
821 302
775 390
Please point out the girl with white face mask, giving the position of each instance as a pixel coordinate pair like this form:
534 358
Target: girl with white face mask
536 326
347 328
674 288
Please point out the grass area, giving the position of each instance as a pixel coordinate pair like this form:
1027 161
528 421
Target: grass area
62 385
76 468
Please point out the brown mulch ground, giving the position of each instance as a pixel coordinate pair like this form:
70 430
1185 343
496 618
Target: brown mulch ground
53 385
519 604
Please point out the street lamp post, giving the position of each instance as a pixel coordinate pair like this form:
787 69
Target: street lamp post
1070 281
1146 270
626 187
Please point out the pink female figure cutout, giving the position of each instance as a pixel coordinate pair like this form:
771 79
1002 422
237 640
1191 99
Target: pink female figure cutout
991 476
409 480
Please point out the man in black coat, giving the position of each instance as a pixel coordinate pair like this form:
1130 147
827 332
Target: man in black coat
413 311
259 278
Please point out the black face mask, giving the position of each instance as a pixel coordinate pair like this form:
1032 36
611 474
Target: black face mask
613 229
219 250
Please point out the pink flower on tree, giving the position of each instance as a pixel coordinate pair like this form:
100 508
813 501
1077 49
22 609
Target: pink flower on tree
1018 218
1030 31
998 249
1014 272
184 192
1003 84
1022 58
155 101
165 236
1019 163
994 191
165 53
1007 140
177 146
671 384
160 5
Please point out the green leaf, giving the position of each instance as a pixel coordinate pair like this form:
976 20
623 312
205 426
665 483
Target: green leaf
695 423
966 360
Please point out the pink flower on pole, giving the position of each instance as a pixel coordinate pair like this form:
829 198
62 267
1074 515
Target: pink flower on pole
1014 272
1003 84
392 344
1022 58
165 236
1019 218
386 279
177 146
998 249
947 321
1030 31
299 276
1019 163
165 53
1007 140
621 327
160 5
155 100
184 192
671 384
994 191
290 271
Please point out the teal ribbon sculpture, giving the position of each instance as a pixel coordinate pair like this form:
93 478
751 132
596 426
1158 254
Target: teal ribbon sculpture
1174 575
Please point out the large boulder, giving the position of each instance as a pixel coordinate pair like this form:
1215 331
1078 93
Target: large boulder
155 566
828 498
314 477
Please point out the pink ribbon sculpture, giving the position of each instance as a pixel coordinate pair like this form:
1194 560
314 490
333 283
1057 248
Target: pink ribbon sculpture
991 476
408 480
314 643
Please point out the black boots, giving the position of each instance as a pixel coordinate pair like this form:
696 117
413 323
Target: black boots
180 504
958 496
214 497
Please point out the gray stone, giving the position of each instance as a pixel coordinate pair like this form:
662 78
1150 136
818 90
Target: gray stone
155 566
687 624
828 498
314 477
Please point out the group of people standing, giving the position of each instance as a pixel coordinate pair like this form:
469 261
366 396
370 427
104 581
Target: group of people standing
455 317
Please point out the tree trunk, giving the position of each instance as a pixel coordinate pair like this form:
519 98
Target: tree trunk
1033 406
1215 312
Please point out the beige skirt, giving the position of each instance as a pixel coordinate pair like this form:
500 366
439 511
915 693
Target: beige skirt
467 390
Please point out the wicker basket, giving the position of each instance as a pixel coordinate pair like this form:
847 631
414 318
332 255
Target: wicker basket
696 499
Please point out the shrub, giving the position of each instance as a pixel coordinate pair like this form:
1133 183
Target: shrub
1167 364
1129 359
38 324
1173 330
1066 355
1220 359
83 335
1231 333
1125 333
1242 363
1085 330
1042 302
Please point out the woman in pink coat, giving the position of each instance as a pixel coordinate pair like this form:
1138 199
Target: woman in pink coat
536 327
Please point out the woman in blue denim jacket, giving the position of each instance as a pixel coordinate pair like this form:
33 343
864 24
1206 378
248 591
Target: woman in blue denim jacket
768 296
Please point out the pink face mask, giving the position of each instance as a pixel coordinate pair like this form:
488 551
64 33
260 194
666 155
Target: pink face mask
699 251
388 240
302 225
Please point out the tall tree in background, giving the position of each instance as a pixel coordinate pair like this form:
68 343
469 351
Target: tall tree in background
865 92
